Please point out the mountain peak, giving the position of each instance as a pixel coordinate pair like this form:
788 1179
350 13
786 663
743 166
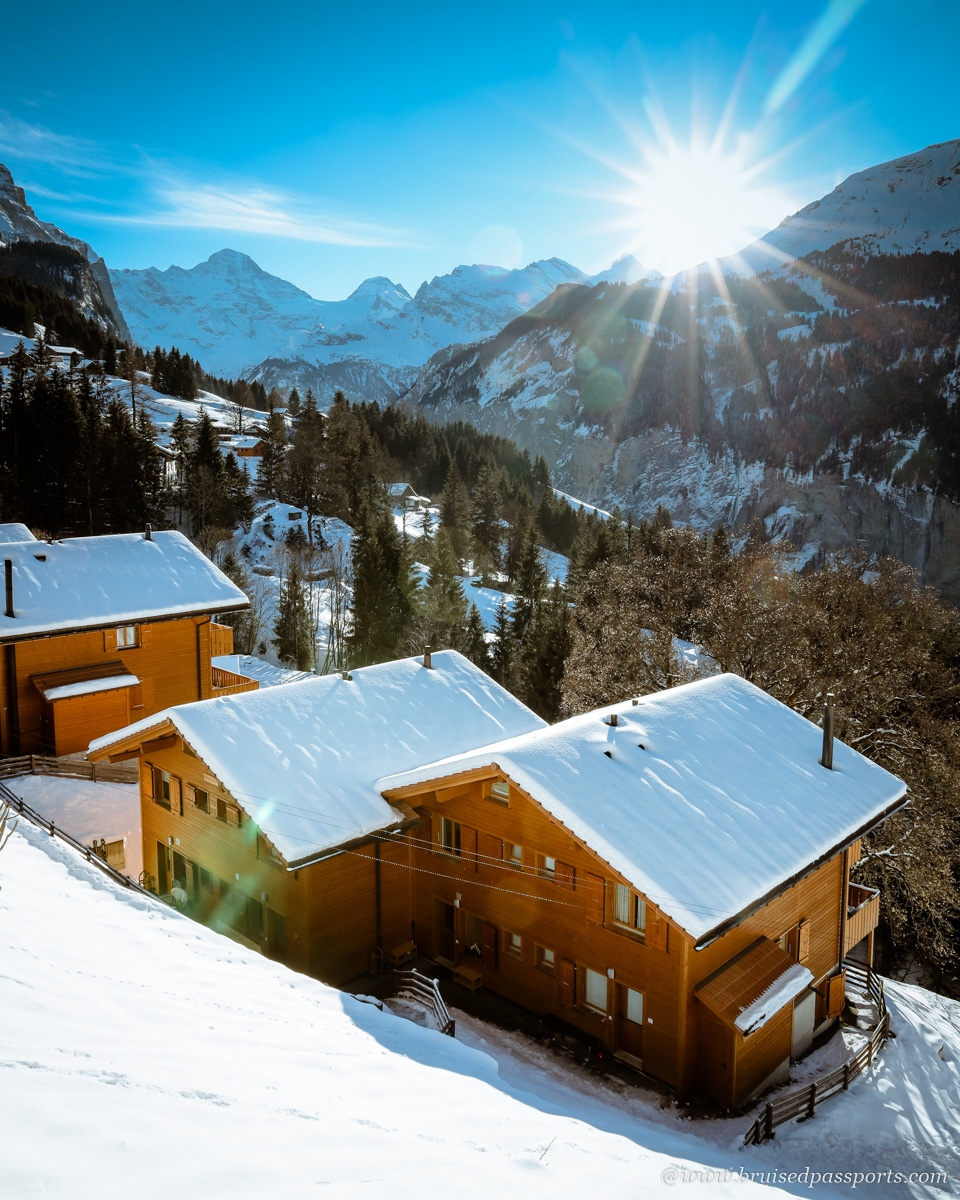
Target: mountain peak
231 260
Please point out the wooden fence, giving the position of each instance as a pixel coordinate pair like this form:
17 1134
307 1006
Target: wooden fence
68 768
802 1102
428 990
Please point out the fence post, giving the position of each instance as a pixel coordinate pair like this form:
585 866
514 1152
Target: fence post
812 1102
846 1075
768 1131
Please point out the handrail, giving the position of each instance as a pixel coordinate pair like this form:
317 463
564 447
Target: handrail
428 990
802 1102
67 768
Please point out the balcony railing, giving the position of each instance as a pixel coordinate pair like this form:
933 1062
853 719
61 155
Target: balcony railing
228 683
863 912
221 640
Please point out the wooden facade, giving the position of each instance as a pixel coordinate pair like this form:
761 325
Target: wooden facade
491 881
170 658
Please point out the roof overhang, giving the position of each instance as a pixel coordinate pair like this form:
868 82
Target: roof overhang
140 619
732 922
408 820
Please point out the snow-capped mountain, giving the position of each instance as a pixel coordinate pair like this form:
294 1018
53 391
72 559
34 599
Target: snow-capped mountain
89 288
238 319
909 204
820 397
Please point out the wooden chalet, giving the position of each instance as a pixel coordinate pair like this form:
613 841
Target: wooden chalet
99 631
671 876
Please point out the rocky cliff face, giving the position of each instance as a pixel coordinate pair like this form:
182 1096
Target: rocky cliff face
89 287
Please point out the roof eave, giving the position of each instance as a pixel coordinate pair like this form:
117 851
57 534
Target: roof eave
410 821
718 931
9 639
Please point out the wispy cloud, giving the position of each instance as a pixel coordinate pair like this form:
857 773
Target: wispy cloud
160 194
26 142
184 204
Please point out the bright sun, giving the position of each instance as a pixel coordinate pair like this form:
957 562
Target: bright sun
696 204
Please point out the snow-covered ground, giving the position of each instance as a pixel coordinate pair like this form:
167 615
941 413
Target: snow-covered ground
87 811
139 1050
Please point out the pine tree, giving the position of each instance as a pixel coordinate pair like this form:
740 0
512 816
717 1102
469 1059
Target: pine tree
206 493
304 463
504 646
380 610
272 470
476 648
455 512
294 628
293 403
486 521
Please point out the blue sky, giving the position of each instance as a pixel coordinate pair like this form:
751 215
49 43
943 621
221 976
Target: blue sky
333 143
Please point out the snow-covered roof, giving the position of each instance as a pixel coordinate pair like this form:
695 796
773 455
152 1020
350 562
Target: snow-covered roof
707 797
114 579
754 985
87 687
15 532
303 760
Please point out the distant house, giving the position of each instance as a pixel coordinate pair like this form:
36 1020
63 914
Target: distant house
247 447
670 876
170 458
404 496
98 631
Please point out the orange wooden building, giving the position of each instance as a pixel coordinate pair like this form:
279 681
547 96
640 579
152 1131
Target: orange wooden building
98 631
671 876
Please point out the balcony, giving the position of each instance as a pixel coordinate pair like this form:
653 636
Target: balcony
229 683
863 912
221 640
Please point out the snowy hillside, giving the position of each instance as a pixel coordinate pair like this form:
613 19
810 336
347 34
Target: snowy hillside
19 223
911 203
237 319
129 1028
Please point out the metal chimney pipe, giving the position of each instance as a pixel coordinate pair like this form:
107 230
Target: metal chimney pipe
826 759
148 536
427 659
8 586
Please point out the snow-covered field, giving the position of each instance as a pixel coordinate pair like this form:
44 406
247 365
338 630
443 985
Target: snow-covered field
87 811
142 1054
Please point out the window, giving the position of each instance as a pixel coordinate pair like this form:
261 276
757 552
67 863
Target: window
513 945
629 909
254 919
126 637
206 880
201 799
500 791
221 809
513 854
546 866
224 889
546 960
595 990
450 835
161 787
634 1006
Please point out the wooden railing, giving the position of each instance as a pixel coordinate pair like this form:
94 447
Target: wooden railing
221 640
863 913
229 683
802 1102
428 990
68 768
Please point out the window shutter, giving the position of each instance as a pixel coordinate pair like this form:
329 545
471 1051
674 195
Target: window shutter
146 635
567 983
109 639
176 796
803 942
836 995
468 845
656 931
593 887
436 836
146 780
565 875
190 795
491 850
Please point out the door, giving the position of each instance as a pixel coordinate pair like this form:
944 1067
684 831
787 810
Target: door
180 869
276 935
444 939
804 1018
488 945
163 884
630 1021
